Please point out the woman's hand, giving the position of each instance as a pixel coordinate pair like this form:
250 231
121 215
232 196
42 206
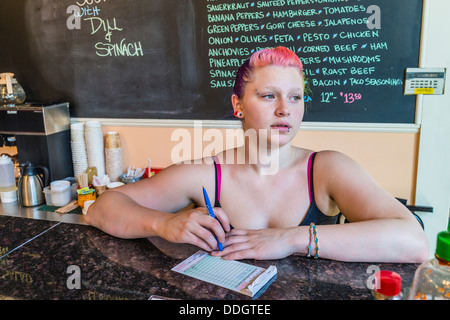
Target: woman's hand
196 227
263 244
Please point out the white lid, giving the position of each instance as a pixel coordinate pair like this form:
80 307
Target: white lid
59 185
4 159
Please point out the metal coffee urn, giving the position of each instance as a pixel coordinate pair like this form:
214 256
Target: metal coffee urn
42 135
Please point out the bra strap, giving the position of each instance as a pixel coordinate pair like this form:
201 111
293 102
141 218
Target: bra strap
218 181
310 177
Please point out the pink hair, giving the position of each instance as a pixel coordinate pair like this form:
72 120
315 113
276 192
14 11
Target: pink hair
279 56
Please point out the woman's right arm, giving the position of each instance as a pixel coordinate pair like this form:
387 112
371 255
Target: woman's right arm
147 208
119 215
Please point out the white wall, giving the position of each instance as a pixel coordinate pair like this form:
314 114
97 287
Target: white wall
433 176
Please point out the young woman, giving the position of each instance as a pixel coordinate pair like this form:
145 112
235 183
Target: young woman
292 210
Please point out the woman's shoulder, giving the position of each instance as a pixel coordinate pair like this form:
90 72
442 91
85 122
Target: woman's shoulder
195 167
333 163
337 170
333 160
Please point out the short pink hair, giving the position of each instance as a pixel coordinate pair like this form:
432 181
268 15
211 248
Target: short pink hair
279 56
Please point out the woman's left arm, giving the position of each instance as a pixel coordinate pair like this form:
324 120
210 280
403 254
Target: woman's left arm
381 228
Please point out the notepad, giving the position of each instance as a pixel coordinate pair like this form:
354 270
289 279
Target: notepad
234 275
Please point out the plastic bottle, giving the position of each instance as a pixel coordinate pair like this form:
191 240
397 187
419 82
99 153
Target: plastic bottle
7 175
432 278
388 286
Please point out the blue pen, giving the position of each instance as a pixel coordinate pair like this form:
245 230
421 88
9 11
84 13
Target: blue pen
211 213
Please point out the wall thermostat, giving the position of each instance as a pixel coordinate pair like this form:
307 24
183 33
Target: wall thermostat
425 81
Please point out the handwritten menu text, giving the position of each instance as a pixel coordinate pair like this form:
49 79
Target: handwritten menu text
332 39
112 44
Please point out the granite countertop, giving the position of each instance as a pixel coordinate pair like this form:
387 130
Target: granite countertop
39 259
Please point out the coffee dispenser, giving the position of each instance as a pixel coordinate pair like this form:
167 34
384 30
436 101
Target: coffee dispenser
42 136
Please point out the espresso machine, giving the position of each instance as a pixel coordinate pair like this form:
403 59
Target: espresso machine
42 136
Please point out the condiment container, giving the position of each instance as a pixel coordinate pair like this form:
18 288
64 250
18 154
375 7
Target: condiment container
100 189
58 194
84 195
7 175
8 196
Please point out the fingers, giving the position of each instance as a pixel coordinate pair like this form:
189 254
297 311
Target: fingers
197 227
206 229
217 226
237 246
222 217
203 239
241 250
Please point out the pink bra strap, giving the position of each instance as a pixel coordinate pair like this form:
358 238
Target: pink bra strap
219 177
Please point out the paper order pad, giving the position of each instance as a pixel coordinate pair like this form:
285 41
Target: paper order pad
234 275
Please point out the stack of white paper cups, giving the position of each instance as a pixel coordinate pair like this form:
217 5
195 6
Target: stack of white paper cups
113 155
78 147
94 146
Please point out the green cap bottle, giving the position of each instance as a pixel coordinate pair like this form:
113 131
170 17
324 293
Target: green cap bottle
443 245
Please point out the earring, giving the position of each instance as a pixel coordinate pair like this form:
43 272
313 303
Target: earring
238 114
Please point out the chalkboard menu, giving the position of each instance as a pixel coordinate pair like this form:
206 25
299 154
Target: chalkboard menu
176 59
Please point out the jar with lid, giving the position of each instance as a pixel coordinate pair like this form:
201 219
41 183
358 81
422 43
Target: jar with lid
432 278
388 286
7 175
11 92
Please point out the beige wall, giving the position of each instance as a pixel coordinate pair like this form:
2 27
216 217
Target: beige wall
390 158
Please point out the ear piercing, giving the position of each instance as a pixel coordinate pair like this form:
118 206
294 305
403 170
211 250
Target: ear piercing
238 114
